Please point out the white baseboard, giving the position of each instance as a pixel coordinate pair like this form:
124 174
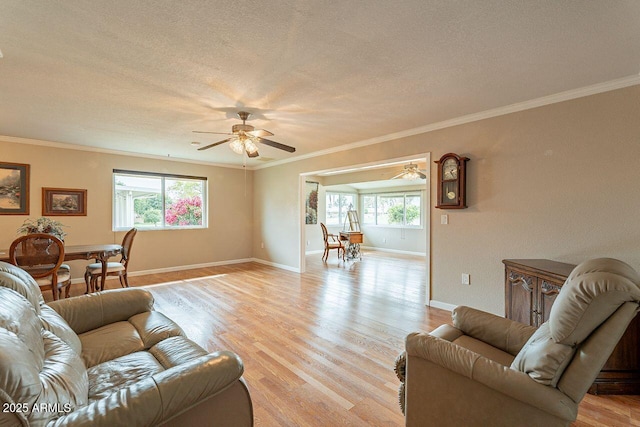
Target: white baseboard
442 305
395 251
273 264
320 251
176 268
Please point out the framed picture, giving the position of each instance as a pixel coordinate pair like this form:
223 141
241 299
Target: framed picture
64 202
311 202
14 189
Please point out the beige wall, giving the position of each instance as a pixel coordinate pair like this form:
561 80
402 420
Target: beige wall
229 236
560 182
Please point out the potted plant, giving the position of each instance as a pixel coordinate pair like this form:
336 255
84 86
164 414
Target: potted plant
43 225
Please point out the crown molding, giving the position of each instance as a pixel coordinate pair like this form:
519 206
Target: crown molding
68 146
469 118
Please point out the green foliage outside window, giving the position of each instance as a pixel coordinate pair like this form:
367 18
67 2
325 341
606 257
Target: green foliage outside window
396 214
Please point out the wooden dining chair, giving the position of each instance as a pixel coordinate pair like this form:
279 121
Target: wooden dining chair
41 256
118 268
331 241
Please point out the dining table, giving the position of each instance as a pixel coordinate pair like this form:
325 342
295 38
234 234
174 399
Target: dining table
101 253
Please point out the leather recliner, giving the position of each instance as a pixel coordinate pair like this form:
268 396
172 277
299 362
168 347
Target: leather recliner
108 359
488 370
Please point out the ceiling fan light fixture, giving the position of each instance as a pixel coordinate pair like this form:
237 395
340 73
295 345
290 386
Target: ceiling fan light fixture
244 138
411 174
250 146
237 146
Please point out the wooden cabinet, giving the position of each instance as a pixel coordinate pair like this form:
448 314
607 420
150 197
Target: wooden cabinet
531 286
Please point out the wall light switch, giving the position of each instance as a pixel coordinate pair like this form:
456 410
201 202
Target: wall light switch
466 279
444 219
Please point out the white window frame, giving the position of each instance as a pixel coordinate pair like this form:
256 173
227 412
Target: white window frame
342 210
404 195
162 177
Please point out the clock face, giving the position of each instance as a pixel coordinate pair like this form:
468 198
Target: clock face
450 169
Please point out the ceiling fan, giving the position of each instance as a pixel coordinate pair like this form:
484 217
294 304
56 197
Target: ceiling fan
244 138
411 171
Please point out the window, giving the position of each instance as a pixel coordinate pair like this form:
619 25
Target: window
395 209
151 201
338 204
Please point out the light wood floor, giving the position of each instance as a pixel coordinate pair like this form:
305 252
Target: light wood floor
319 348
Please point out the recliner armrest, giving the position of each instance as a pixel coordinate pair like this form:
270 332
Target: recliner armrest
92 311
515 384
506 334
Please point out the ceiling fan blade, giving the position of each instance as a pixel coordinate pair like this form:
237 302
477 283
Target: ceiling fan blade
254 154
422 176
277 145
206 147
216 133
259 133
400 175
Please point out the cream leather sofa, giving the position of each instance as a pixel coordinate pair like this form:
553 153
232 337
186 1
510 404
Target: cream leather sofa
108 359
486 370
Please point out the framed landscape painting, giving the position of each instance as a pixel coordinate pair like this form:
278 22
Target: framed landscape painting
14 189
64 202
311 202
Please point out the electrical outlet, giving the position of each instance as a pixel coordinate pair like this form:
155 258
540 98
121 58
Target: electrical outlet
444 219
466 279
262 245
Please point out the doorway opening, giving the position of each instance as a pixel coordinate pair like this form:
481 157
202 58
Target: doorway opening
373 190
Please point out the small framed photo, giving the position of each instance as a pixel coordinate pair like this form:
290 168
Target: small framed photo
14 189
64 202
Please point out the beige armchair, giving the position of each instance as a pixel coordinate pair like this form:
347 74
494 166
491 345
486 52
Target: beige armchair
488 370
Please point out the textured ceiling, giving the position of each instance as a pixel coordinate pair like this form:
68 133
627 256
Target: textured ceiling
140 76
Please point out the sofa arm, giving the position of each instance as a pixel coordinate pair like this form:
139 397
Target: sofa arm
508 382
506 334
184 386
163 396
91 311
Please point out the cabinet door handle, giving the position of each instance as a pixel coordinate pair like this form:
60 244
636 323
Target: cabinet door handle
550 288
525 283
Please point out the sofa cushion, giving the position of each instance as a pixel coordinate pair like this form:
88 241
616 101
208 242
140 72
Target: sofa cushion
542 358
121 372
593 291
15 278
109 342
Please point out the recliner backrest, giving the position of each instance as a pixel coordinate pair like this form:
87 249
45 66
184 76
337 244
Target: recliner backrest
588 318
592 353
594 290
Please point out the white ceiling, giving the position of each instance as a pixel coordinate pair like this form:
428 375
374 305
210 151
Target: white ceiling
136 76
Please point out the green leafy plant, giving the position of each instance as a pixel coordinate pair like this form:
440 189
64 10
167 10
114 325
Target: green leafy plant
43 225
